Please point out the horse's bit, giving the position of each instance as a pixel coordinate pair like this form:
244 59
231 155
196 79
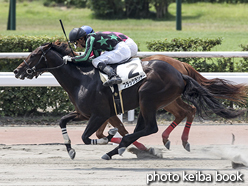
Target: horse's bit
32 70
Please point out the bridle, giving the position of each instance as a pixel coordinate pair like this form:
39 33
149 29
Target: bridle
32 70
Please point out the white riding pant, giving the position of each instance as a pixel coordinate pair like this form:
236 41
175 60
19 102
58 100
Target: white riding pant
133 46
120 53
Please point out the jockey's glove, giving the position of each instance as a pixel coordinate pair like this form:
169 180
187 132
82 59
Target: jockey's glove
66 58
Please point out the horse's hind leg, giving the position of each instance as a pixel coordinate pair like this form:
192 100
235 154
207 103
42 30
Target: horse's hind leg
190 117
179 114
180 110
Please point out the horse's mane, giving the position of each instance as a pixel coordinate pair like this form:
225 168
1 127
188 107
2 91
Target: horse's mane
61 48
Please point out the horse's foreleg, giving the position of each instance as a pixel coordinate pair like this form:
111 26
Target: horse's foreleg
179 113
145 126
63 121
93 125
116 122
111 132
148 125
140 125
99 132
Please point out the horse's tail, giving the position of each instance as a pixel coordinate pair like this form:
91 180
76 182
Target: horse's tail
219 87
203 100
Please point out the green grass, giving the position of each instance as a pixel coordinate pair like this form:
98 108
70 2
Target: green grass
203 20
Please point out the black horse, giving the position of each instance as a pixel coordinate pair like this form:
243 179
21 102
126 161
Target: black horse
93 101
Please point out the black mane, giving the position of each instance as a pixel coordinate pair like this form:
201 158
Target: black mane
63 49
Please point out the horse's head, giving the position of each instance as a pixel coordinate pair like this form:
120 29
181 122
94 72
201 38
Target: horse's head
37 61
31 66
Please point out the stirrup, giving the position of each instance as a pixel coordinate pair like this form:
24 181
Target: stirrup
112 81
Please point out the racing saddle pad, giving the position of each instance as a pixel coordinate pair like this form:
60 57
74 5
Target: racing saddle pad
130 73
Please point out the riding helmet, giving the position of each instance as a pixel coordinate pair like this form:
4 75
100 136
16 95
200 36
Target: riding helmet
87 29
76 33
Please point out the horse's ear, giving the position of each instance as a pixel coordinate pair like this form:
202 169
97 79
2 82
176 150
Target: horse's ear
57 42
48 45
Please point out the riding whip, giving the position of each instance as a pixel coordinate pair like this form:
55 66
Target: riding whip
62 26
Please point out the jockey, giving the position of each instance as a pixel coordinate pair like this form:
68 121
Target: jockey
131 44
116 47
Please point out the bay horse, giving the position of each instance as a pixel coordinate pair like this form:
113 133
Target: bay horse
92 100
220 87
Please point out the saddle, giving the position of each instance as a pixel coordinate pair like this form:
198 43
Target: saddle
131 72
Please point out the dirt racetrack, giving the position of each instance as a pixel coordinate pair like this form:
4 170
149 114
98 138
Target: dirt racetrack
36 156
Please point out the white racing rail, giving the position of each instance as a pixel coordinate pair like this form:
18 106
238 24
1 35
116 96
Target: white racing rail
18 55
7 79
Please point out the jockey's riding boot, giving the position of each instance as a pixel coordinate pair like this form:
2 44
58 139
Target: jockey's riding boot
113 77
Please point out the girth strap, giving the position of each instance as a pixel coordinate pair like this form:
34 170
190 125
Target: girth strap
117 99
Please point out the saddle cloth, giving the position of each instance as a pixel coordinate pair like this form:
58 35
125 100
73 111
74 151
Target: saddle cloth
130 73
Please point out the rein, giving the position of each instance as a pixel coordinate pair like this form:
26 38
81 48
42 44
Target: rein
32 70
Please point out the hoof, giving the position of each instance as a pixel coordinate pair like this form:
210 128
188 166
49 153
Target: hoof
237 165
106 157
102 141
187 147
113 131
167 145
157 153
121 150
72 153
151 151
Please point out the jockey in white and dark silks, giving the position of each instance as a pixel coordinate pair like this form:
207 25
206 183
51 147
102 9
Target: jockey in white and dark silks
116 48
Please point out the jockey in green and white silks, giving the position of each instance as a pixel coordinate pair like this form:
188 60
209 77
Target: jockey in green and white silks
107 48
131 44
115 49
